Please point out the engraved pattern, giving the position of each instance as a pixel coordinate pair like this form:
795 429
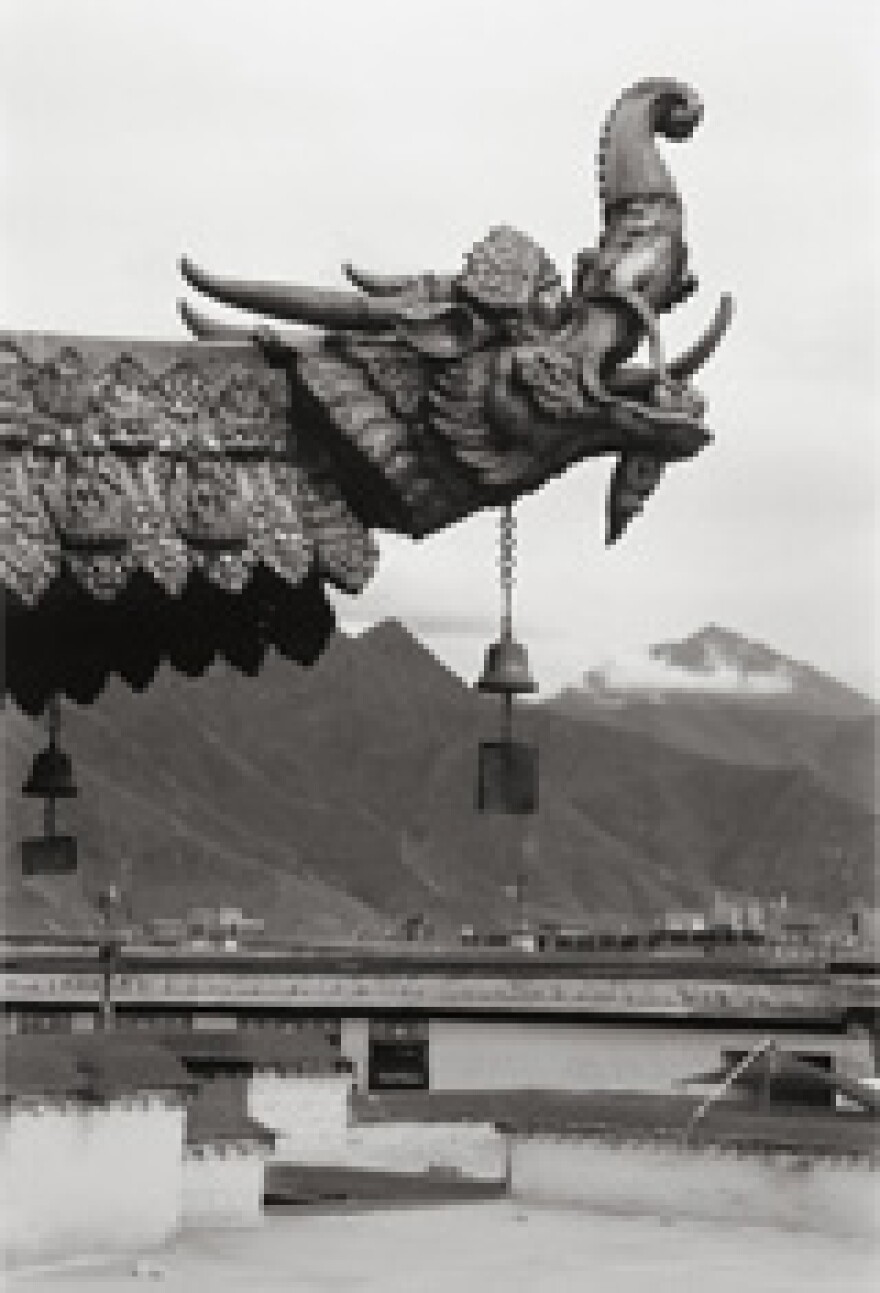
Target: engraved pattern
551 378
111 468
150 510
506 270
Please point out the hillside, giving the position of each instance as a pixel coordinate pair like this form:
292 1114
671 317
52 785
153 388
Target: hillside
342 797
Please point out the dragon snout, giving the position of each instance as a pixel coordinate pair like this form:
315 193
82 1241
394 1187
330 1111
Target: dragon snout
692 438
682 419
679 114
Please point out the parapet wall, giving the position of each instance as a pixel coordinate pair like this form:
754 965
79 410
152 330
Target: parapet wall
83 1180
307 1112
836 1196
712 994
222 1187
475 1151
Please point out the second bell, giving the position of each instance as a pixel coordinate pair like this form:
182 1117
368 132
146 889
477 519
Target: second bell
506 669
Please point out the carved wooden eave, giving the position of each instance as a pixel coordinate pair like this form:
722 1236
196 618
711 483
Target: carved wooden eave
154 505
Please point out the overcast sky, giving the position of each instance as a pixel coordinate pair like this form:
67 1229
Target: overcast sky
279 139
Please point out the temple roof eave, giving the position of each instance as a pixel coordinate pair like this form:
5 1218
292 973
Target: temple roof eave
158 476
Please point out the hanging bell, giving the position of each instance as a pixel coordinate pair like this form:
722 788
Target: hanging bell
50 778
508 770
51 775
506 669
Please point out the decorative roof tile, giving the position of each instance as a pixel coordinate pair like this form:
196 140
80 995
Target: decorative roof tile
141 475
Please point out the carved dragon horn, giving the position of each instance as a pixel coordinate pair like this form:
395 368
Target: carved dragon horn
692 359
205 329
379 284
637 381
630 165
321 307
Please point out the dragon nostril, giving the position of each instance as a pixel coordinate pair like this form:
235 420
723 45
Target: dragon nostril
681 120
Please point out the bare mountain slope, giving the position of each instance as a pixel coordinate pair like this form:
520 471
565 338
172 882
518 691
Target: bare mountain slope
343 797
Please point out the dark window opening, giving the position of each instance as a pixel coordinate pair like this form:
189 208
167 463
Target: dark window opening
398 1064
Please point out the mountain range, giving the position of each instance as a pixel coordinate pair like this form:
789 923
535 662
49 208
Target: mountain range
341 798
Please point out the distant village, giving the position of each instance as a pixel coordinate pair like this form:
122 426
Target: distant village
784 929
777 926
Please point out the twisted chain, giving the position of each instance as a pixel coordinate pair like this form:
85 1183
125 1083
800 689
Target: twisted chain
507 567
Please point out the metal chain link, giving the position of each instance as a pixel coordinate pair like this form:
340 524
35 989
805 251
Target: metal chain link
507 567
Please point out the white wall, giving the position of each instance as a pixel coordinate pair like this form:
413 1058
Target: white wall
475 1150
667 1180
222 1187
354 1042
499 1055
312 1114
82 1180
305 1111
